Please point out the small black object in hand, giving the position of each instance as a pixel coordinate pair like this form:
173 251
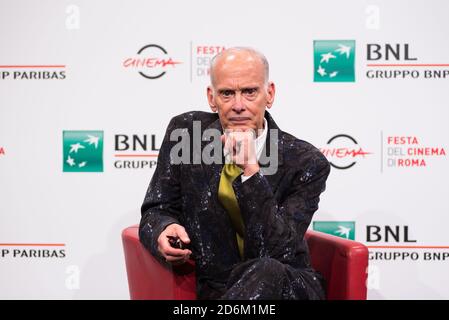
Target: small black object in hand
175 242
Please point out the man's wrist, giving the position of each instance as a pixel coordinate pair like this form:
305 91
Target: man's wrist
251 169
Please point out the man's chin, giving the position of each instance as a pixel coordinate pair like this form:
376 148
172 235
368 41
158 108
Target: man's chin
240 127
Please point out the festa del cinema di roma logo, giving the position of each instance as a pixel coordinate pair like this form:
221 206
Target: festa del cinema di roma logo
152 62
82 151
342 151
334 60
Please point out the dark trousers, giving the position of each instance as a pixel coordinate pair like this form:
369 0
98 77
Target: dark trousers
269 279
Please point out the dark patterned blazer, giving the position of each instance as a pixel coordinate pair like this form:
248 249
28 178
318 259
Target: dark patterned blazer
276 208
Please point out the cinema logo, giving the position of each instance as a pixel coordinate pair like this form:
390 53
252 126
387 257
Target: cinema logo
395 61
135 151
202 56
151 62
342 151
32 250
407 152
32 72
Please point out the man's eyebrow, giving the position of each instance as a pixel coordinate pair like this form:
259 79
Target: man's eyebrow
243 88
225 89
250 88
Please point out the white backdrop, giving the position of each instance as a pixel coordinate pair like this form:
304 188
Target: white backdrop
60 231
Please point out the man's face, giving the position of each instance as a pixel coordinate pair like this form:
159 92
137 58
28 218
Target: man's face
239 92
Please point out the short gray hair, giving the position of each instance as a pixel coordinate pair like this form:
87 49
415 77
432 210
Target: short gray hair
252 51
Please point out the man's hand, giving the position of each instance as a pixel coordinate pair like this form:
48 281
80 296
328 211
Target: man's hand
173 255
240 148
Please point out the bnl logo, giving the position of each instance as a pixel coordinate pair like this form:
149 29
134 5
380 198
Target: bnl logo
334 60
83 151
342 229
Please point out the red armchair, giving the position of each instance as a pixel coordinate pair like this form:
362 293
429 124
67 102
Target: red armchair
343 263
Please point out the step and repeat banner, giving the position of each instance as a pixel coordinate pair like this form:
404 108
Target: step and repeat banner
87 89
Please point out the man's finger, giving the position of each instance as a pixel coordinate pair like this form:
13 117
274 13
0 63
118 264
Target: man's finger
238 145
174 259
182 234
169 250
227 144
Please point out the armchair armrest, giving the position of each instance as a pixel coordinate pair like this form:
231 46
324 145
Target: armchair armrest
342 262
150 279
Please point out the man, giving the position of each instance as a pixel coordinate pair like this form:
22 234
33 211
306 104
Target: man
243 224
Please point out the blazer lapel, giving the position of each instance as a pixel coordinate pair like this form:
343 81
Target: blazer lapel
213 170
273 144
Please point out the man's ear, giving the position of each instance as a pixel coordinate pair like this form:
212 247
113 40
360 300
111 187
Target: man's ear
271 91
210 99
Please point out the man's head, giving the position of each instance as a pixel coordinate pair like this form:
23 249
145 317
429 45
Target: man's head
240 89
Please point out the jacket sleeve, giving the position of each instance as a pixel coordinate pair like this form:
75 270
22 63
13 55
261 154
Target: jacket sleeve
162 203
276 229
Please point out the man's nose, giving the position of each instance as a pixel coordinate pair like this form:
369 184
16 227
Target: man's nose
239 104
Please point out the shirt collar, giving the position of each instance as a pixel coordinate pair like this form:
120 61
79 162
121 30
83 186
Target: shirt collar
261 139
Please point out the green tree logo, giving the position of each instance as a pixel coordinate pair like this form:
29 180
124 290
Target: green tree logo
343 229
334 60
83 151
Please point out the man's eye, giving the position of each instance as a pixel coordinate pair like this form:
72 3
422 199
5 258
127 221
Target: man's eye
227 93
250 92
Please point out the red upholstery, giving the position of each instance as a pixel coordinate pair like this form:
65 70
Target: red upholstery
149 279
342 262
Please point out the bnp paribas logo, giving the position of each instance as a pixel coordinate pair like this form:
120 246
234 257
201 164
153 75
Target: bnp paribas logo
334 60
343 229
83 151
